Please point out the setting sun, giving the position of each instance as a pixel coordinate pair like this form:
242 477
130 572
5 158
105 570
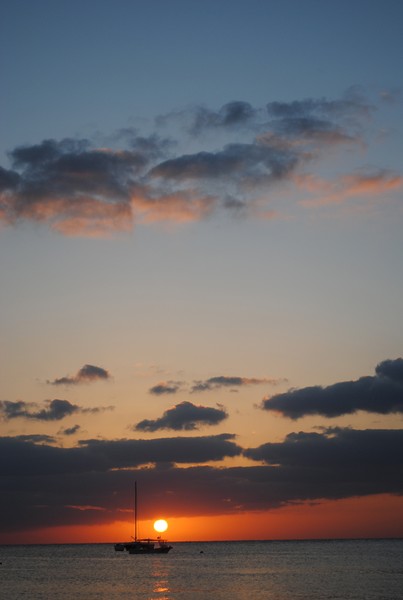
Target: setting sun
161 525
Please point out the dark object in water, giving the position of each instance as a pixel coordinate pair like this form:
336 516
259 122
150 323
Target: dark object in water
144 545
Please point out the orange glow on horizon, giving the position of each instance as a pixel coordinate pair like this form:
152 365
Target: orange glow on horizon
373 516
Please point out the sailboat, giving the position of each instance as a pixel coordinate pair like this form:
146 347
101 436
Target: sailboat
142 545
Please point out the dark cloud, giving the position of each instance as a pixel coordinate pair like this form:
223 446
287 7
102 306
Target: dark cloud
172 450
78 189
392 369
232 114
198 119
72 186
169 387
326 121
243 162
150 148
224 381
184 416
8 179
87 374
43 486
316 129
36 438
335 449
353 104
212 383
236 112
382 394
55 410
70 430
12 410
71 169
100 455
96 409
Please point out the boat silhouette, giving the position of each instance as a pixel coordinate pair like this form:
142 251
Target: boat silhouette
142 545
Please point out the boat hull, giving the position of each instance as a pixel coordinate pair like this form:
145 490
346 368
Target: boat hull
144 547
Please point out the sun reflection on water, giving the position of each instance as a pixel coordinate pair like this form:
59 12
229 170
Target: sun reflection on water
160 575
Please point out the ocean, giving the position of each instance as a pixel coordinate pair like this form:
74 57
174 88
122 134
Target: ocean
272 570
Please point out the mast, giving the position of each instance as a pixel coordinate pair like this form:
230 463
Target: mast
135 511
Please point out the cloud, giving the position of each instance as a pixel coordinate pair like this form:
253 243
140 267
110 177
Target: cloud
8 179
184 416
220 381
180 206
322 121
197 120
212 383
55 410
334 451
309 116
314 116
148 148
357 185
74 187
26 457
314 129
232 114
392 369
77 188
87 374
70 430
43 485
382 394
241 162
36 438
68 182
166 387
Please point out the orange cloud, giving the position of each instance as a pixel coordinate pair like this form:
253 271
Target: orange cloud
93 219
78 189
177 208
87 374
348 186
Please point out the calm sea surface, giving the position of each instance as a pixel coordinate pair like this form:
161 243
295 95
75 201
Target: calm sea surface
313 570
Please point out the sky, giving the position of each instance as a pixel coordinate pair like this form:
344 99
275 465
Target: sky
201 278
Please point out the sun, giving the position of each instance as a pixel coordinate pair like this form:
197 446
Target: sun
161 525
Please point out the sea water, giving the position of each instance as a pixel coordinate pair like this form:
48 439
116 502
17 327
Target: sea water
283 570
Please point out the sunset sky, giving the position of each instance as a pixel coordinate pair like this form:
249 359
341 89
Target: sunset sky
201 215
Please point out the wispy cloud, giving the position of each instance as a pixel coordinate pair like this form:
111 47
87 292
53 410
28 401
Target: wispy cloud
212 383
87 374
382 394
242 152
35 438
184 416
230 115
357 185
54 410
221 381
166 387
70 430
